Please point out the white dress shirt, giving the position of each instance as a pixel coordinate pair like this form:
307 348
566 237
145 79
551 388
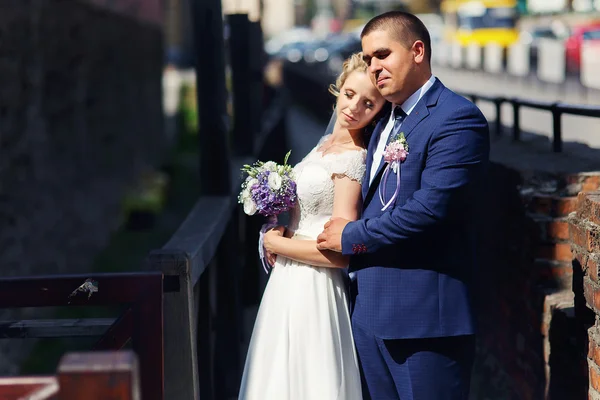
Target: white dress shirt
407 107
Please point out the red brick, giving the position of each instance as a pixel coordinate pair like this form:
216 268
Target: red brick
592 269
577 235
588 206
594 377
541 204
588 293
591 292
557 229
589 264
558 272
592 213
564 206
590 183
593 350
554 206
555 251
580 256
585 235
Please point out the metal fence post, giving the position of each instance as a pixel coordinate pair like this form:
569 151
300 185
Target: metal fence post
498 103
213 121
257 61
557 129
228 321
181 378
516 120
240 54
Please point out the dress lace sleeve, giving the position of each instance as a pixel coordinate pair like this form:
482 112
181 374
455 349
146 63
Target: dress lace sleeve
349 164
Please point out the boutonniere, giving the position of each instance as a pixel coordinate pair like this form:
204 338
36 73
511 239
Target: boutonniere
395 153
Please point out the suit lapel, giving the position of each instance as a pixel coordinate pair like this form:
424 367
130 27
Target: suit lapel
418 114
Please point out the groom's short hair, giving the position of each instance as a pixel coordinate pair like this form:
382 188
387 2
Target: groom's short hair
403 26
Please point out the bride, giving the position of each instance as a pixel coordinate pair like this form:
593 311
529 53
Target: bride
302 346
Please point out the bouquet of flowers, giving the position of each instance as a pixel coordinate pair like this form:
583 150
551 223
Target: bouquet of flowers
269 189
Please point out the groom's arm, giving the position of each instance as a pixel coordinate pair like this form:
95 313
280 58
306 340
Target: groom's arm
457 158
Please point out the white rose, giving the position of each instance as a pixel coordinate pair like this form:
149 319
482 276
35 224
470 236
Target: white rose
245 194
275 181
270 166
249 206
251 182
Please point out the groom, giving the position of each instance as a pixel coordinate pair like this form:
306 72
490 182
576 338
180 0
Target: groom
412 264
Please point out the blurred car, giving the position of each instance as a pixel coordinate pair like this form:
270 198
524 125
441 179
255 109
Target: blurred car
340 51
579 34
532 38
292 52
280 44
343 45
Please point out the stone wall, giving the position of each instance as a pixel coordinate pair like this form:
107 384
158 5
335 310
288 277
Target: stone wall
80 116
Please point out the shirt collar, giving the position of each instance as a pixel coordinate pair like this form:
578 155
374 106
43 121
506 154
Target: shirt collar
414 98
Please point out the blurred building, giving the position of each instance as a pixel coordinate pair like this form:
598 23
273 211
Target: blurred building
275 15
413 6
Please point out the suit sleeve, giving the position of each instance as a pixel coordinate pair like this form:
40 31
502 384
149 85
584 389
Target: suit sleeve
457 157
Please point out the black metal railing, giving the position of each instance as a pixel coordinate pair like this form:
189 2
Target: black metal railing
140 296
211 260
207 260
556 108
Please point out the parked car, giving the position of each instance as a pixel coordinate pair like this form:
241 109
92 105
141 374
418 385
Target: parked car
532 37
294 38
573 45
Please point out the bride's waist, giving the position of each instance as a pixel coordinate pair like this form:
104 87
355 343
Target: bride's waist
311 226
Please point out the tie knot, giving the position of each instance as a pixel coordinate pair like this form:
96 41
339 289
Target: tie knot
399 113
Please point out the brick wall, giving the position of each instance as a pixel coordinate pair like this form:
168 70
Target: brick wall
531 343
80 115
584 229
509 362
564 322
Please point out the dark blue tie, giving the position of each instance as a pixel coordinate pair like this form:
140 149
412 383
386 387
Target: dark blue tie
399 116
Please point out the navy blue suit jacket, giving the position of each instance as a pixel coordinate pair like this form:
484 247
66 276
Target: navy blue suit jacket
414 262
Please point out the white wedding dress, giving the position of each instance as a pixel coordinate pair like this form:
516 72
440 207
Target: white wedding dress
302 346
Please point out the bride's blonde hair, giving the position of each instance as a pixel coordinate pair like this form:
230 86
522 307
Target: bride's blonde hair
353 63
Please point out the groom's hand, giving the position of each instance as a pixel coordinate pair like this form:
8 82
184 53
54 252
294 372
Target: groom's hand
331 237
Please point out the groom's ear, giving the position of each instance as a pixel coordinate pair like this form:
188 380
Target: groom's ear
331 123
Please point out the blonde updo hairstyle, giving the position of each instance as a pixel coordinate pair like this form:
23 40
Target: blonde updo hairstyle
353 63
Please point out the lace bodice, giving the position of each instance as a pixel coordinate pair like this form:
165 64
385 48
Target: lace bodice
314 178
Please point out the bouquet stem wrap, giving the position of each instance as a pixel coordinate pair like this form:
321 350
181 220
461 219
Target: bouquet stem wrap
271 223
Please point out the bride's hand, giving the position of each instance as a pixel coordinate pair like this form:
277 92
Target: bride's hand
270 235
